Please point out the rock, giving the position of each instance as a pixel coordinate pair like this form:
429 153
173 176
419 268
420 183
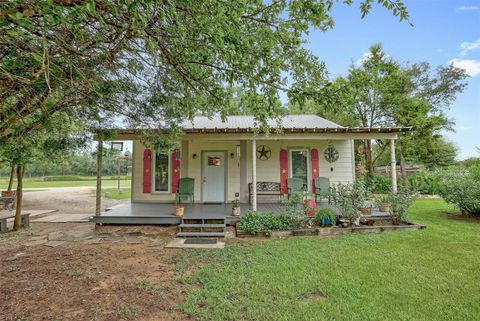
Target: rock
16 256
54 243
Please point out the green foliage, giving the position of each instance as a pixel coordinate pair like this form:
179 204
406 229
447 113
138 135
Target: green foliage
461 187
424 182
348 198
263 222
293 209
324 215
399 203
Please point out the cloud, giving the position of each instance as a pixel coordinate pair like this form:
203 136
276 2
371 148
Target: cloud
467 8
472 67
469 46
365 56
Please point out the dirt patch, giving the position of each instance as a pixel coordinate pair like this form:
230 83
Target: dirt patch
67 200
113 273
313 297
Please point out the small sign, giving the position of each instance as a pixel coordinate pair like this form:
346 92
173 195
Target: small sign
214 161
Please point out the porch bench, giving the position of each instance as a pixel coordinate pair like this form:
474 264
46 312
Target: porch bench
3 221
265 189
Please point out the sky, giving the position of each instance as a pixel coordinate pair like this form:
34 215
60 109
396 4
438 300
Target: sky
443 32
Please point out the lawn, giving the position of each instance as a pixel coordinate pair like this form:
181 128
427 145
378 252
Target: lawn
118 194
38 182
432 274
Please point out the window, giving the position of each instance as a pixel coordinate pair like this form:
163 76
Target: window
162 173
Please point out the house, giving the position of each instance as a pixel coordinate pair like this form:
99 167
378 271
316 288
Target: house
225 156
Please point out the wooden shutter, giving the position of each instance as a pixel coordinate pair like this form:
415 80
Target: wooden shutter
315 165
175 170
284 170
147 170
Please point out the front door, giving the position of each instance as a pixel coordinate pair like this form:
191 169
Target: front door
213 190
299 165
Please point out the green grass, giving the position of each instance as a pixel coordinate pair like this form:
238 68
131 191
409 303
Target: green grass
114 193
431 274
38 182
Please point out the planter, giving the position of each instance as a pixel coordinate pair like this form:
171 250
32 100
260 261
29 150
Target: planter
345 223
310 206
384 208
366 210
236 211
179 210
326 221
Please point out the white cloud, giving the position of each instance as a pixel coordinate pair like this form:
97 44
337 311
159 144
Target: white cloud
469 46
467 8
472 67
365 56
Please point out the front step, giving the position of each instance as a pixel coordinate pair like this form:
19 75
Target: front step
202 227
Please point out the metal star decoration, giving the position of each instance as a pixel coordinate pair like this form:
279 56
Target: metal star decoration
263 152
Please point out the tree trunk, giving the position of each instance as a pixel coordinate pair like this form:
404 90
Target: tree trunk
403 172
12 177
18 209
368 157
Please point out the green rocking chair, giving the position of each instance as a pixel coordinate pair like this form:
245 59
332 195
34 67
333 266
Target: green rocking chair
295 185
322 188
186 189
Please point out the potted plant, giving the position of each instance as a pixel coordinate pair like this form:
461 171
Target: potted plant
236 207
325 217
383 203
179 209
366 207
309 206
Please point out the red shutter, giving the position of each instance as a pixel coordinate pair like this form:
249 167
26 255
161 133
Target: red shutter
147 170
315 169
284 170
175 170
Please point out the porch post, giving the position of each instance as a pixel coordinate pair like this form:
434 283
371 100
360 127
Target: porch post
393 165
254 174
98 194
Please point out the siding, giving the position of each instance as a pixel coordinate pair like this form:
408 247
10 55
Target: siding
267 170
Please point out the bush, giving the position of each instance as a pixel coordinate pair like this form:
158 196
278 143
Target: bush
424 182
461 187
263 222
399 204
293 209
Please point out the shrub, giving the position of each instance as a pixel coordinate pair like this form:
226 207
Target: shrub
348 198
263 222
461 187
424 182
399 204
293 209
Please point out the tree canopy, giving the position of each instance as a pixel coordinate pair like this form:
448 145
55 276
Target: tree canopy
151 63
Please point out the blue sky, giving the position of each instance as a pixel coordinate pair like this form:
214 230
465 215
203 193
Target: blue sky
444 31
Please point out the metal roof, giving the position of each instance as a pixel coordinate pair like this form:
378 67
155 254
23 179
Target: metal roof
248 123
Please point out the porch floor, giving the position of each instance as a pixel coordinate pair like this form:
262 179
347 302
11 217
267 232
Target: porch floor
163 213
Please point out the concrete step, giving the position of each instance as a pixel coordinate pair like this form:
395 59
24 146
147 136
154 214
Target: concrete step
201 234
203 225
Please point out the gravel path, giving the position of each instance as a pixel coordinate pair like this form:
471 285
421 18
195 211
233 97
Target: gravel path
67 200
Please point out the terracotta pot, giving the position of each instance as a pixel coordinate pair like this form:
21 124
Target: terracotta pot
236 211
179 210
309 206
384 208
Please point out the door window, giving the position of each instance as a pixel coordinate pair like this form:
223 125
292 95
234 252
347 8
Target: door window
162 179
299 165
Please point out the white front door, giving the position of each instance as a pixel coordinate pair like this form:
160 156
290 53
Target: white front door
300 166
213 177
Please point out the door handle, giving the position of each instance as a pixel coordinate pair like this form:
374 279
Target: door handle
204 179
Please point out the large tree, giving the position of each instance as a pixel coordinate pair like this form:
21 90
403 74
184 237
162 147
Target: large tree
381 92
155 62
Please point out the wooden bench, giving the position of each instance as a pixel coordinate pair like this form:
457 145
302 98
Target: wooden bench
4 217
265 189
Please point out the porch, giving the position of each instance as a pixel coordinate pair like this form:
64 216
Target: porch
163 213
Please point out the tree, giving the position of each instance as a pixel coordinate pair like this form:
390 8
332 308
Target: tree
154 63
380 92
52 141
